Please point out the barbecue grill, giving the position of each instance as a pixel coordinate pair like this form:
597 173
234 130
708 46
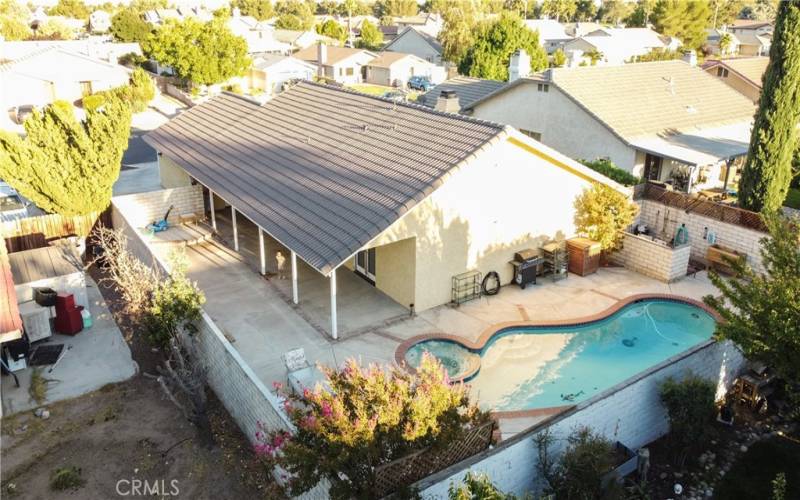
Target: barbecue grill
526 265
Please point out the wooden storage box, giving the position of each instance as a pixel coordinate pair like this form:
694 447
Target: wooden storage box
719 258
584 256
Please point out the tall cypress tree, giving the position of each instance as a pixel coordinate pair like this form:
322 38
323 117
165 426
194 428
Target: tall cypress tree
768 171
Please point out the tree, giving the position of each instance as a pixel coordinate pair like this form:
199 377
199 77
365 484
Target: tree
612 171
641 15
559 58
686 20
203 53
658 54
585 10
127 25
614 11
760 10
494 44
559 9
332 29
14 20
396 8
691 410
371 37
141 6
457 33
476 487
761 312
724 12
65 166
364 418
725 41
75 9
295 13
602 213
259 9
768 172
54 29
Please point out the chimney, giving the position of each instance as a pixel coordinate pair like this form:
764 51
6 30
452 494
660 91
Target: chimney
690 56
322 58
574 58
448 102
519 66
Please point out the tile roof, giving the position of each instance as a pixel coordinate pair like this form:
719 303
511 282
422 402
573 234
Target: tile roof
335 54
467 88
652 98
432 41
752 68
322 170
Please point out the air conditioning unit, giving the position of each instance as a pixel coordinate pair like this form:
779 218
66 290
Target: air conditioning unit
35 320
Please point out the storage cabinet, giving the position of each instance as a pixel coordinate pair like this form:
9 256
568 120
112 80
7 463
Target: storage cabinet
719 258
584 256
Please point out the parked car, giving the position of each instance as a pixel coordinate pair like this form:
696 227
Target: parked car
11 205
422 83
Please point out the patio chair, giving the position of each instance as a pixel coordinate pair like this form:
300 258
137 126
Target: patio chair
301 374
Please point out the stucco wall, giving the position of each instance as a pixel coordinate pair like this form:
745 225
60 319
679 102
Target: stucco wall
411 43
737 83
505 200
563 124
395 270
631 413
171 174
728 235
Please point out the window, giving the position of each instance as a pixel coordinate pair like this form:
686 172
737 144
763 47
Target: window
86 88
722 72
533 135
543 87
349 71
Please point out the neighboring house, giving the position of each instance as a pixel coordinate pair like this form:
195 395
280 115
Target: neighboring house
618 45
713 42
270 72
95 47
302 39
742 73
579 29
552 35
404 196
259 36
413 41
395 69
461 92
99 21
56 74
665 121
749 25
426 22
755 37
340 64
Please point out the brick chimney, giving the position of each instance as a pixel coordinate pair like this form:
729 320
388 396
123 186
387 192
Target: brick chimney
519 66
322 58
448 102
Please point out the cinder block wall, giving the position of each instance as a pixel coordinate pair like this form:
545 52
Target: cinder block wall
653 259
630 413
141 209
728 235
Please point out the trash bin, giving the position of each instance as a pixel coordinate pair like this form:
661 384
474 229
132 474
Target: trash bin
87 318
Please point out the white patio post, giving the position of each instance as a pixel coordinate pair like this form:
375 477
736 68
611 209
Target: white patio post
294 278
261 249
213 213
235 229
334 332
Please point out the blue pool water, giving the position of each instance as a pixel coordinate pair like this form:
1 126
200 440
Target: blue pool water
542 367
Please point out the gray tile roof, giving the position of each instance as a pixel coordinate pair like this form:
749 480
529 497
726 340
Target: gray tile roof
467 88
321 169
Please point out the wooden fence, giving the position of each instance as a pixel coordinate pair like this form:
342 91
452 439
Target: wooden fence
37 232
405 471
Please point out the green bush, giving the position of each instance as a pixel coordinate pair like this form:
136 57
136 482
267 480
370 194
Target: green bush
93 102
66 478
609 169
692 411
175 304
476 487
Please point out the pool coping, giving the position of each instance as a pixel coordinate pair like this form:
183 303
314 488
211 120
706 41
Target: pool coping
498 328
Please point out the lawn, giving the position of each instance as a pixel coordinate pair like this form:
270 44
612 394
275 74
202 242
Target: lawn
751 476
793 198
379 90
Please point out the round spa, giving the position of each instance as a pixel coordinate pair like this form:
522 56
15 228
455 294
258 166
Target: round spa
461 363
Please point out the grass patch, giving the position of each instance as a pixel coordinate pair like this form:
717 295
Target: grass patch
66 478
366 88
38 387
752 475
793 198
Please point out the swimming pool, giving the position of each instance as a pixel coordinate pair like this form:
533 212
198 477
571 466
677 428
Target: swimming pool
533 367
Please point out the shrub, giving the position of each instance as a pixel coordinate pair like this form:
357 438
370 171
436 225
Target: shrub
66 478
609 169
365 418
93 102
692 410
476 487
175 304
602 213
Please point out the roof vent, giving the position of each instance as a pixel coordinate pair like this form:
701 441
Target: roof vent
691 109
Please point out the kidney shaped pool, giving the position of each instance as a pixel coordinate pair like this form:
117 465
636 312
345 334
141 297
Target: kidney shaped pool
534 367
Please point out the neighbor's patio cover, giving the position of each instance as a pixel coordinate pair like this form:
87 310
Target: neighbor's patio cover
704 147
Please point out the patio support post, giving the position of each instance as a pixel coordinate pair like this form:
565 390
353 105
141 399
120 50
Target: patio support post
213 213
294 278
334 333
261 249
235 229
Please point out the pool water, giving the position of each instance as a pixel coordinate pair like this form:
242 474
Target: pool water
541 367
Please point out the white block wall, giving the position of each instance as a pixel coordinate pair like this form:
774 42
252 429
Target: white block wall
643 255
630 413
728 235
141 209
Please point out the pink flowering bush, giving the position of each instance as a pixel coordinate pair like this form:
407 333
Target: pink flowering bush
366 417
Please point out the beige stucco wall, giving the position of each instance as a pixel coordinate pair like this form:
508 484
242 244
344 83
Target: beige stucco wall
505 200
413 43
738 83
564 125
172 175
395 270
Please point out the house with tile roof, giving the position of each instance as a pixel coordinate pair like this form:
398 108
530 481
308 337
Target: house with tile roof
426 22
414 41
666 121
395 69
552 34
619 45
270 72
465 90
339 64
744 74
403 195
53 73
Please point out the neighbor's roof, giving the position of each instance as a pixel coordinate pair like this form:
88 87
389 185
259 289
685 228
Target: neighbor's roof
549 29
322 170
432 41
467 88
751 68
42 263
387 59
750 24
700 147
48 64
265 61
752 38
10 321
335 54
